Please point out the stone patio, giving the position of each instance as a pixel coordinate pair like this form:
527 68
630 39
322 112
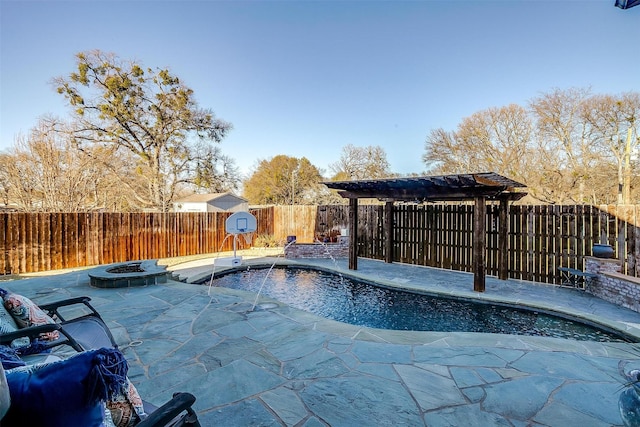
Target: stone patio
281 366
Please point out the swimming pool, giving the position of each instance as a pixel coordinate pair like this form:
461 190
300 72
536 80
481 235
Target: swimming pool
364 304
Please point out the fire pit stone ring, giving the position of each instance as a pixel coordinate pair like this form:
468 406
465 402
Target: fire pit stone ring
128 274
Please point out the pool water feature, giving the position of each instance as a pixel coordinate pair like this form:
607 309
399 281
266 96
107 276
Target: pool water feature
363 304
253 307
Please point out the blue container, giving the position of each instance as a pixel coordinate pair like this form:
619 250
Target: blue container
602 251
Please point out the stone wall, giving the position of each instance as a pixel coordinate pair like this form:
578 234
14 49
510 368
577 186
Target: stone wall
319 250
611 285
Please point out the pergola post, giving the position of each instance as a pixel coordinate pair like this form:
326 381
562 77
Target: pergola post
479 232
388 232
353 234
503 236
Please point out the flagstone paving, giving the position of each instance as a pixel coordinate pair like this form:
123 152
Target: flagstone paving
284 367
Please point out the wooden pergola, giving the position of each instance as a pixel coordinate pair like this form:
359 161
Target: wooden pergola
479 187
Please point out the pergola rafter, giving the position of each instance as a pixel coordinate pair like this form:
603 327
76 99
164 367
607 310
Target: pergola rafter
479 187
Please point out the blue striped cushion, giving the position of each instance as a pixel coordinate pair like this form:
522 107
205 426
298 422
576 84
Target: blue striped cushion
8 324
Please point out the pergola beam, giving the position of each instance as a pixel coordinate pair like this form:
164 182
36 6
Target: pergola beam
417 195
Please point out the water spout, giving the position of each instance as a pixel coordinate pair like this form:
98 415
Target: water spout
255 302
335 262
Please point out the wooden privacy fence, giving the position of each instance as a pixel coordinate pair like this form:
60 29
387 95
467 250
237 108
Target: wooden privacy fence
51 241
308 223
541 238
544 238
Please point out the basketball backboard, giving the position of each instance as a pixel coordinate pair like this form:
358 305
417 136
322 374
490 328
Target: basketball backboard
241 222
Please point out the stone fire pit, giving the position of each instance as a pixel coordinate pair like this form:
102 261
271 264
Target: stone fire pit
128 274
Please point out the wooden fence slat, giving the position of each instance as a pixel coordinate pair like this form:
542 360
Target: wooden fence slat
5 266
14 244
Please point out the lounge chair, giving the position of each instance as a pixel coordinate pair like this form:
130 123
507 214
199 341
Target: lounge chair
85 332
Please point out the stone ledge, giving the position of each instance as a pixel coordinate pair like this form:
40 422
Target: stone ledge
611 285
620 276
603 260
318 250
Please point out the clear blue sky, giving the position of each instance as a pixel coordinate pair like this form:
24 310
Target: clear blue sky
307 78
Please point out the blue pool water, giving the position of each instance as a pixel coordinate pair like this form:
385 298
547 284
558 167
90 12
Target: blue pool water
340 298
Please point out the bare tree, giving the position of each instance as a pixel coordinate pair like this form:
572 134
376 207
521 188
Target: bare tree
569 147
148 113
18 186
613 125
368 162
45 172
215 172
494 140
443 154
565 149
